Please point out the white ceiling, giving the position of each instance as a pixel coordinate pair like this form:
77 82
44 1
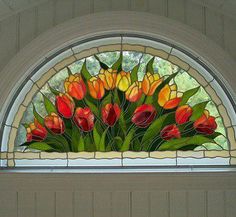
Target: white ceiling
11 7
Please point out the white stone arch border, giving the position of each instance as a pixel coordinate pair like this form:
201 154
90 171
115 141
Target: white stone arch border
139 38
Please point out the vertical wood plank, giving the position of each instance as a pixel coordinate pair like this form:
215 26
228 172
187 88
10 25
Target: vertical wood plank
215 202
230 203
28 27
45 204
83 205
178 205
121 204
8 204
64 204
195 15
82 7
26 204
64 10
176 9
102 5
120 5
45 16
158 7
159 204
139 5
214 26
140 204
196 203
102 204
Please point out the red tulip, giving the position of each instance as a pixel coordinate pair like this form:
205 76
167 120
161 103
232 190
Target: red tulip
144 115
183 114
170 132
206 124
110 114
65 105
75 86
36 132
84 119
54 123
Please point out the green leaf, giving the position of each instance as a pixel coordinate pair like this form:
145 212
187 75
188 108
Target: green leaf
149 67
122 122
69 71
92 106
116 98
126 144
102 145
134 73
89 146
176 144
75 138
118 64
103 65
55 92
38 117
81 145
96 136
107 99
152 131
50 107
118 142
60 142
42 146
198 110
84 72
187 95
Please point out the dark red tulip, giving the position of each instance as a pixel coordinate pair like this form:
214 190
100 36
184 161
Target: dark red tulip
54 123
170 132
84 119
36 132
144 115
65 105
183 114
206 124
110 114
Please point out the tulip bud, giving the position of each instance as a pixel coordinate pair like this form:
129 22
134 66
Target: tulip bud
134 92
170 132
183 114
144 115
150 83
75 86
65 105
36 132
108 78
96 87
123 81
206 124
110 114
54 123
84 119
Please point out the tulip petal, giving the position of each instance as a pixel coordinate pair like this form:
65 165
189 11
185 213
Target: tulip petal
164 95
172 103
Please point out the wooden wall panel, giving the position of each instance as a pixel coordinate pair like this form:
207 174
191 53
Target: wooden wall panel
178 204
26 206
83 203
215 204
140 201
159 204
45 203
64 204
8 204
102 204
121 204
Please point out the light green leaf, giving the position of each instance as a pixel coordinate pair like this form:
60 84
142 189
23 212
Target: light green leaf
84 71
96 136
122 122
50 107
42 146
198 110
176 144
81 145
149 67
134 73
75 138
118 64
187 95
102 145
38 117
126 144
55 92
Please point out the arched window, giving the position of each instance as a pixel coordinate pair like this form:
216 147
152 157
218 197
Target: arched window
120 100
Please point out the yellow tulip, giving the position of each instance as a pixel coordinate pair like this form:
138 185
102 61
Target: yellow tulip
134 92
150 83
108 78
123 81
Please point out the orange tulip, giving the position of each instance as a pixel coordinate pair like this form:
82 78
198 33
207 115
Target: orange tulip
96 87
108 78
54 123
75 86
206 124
168 97
183 114
123 81
170 132
134 92
65 105
150 83
36 132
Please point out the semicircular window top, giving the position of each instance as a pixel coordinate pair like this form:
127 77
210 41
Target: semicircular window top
120 101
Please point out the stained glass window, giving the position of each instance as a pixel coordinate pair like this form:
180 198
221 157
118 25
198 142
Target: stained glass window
127 101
